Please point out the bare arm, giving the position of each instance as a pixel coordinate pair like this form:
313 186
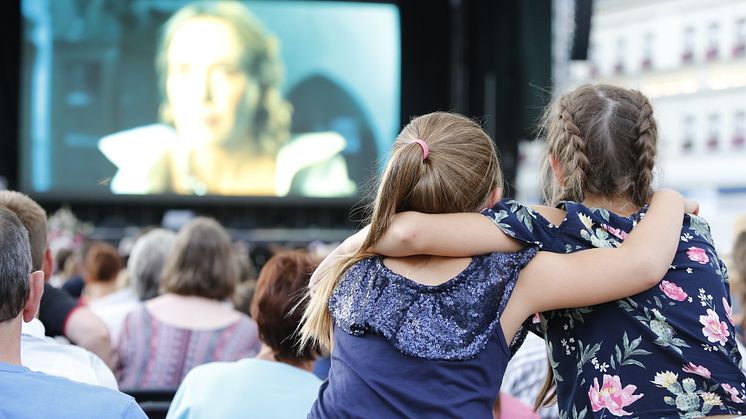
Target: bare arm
85 329
552 281
344 250
456 235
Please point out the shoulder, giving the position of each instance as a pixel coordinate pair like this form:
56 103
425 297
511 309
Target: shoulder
88 399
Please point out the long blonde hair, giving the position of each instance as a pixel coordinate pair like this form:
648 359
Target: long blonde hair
458 175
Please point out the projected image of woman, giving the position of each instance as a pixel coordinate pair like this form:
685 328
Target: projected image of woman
226 126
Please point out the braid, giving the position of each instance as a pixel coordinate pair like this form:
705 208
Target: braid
645 150
572 154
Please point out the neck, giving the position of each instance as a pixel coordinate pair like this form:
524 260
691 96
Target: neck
95 290
618 205
269 354
10 341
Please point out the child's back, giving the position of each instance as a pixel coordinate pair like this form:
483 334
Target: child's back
674 344
417 350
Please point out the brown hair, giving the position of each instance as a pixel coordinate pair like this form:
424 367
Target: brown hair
278 303
260 60
102 262
458 175
201 262
33 218
604 139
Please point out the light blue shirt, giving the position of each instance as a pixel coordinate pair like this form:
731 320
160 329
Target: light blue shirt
28 394
249 388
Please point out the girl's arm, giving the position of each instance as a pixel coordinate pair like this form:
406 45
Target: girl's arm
344 250
456 235
551 281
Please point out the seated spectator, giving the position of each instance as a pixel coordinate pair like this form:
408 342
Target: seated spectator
145 264
66 266
58 311
101 293
102 265
28 394
192 322
278 382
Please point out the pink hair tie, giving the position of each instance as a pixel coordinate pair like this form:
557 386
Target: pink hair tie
425 148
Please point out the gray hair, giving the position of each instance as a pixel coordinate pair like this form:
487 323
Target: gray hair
146 261
15 265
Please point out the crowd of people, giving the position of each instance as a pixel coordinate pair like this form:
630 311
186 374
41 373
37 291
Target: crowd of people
425 312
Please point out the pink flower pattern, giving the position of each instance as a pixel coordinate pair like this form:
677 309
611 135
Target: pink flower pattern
697 369
714 330
697 255
733 392
673 291
616 232
612 396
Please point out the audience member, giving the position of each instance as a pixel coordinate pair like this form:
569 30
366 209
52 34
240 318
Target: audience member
102 265
526 373
278 382
66 266
192 322
28 394
102 292
423 335
44 354
145 264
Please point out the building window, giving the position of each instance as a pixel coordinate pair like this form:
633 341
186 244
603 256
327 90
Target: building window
687 55
739 47
739 132
713 132
713 33
619 64
647 52
688 144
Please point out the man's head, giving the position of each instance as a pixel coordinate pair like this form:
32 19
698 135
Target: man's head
19 293
34 219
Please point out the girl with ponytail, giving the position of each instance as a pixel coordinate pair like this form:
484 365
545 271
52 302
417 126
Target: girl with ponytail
669 351
430 336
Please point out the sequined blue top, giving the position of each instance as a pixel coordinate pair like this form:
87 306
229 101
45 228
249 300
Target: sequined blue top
404 349
667 352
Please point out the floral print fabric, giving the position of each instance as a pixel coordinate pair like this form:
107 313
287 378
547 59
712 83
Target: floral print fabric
667 352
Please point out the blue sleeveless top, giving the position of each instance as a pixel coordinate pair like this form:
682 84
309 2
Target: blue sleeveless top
404 349
667 352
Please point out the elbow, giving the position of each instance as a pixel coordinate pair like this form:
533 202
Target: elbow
406 236
652 272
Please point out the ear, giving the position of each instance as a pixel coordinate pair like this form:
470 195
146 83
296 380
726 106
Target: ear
47 263
495 196
557 170
36 289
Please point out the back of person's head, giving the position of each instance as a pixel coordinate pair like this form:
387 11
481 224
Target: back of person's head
604 141
61 259
278 303
201 262
260 61
458 174
146 261
15 265
33 218
102 262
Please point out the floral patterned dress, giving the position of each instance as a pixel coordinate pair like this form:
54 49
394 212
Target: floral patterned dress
667 352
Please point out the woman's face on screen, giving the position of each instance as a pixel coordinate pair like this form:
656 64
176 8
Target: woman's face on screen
211 97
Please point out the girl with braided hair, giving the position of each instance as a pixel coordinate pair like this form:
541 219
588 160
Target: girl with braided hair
429 336
669 351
